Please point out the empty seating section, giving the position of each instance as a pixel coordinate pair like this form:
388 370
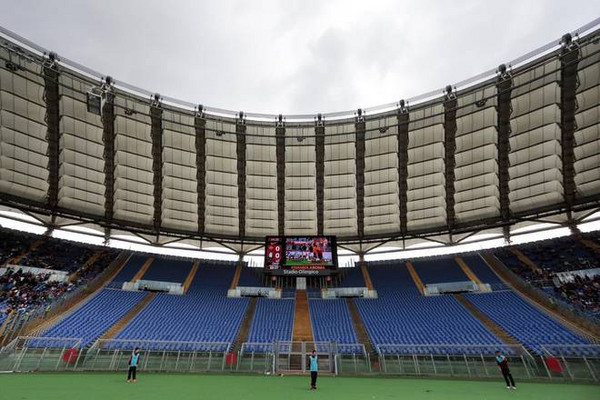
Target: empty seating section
483 271
168 270
96 316
58 254
273 321
563 254
250 277
213 277
202 317
332 322
12 244
402 317
204 314
523 321
353 278
131 268
439 270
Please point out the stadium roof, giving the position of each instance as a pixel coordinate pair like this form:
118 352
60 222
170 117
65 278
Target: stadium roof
505 149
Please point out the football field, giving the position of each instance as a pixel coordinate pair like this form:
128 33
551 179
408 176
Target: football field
94 386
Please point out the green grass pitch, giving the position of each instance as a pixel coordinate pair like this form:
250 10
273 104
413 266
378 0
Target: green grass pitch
94 386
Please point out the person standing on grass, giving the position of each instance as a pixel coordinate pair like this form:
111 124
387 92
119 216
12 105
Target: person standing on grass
133 363
314 369
503 364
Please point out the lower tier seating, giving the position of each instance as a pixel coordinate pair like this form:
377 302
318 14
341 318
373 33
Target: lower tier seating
96 316
332 322
523 321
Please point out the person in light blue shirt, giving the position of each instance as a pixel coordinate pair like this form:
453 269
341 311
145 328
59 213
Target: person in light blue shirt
314 369
134 360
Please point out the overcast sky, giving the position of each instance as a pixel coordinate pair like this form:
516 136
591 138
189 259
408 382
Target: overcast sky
293 56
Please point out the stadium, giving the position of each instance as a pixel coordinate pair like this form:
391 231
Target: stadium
406 243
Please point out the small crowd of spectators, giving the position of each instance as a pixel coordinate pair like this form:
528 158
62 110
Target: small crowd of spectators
24 291
583 292
556 256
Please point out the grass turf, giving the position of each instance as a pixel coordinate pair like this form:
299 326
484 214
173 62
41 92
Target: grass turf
89 386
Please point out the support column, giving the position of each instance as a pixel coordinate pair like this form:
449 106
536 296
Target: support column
109 140
280 156
569 59
360 127
320 172
240 130
156 133
503 111
200 131
51 96
403 121
449 150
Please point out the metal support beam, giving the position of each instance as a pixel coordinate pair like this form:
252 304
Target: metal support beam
320 175
109 140
52 98
280 156
200 130
156 133
449 150
240 129
403 121
569 59
503 112
360 127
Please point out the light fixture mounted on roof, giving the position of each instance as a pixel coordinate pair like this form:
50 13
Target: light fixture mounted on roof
403 106
156 100
96 96
241 118
503 72
358 115
280 121
319 120
200 111
569 43
450 93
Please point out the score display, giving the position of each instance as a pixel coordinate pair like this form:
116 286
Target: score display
300 255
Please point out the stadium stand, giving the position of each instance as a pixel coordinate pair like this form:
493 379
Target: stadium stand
439 270
57 254
332 322
402 317
523 321
273 321
129 270
168 270
353 278
96 316
250 277
483 271
204 314
12 244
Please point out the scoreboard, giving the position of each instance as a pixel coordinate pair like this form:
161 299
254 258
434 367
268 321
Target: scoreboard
300 255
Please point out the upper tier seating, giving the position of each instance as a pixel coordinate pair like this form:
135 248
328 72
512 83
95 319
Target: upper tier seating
250 277
402 316
96 316
523 321
13 244
130 268
332 322
58 254
439 270
483 271
353 278
168 270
